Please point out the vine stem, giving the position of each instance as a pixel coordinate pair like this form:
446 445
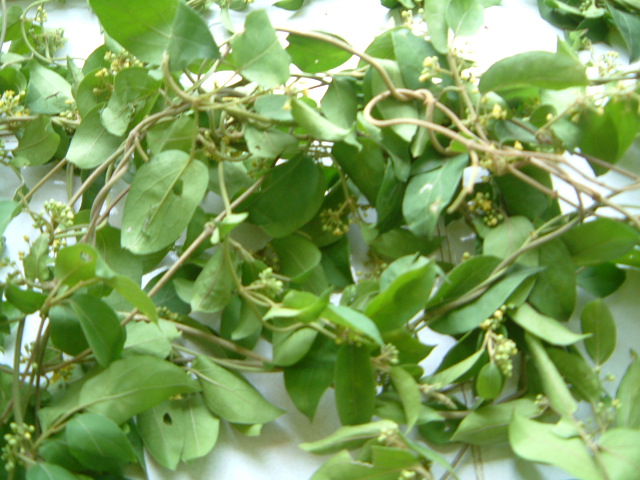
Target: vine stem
15 390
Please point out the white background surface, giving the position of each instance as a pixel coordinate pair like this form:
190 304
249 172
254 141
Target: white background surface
514 27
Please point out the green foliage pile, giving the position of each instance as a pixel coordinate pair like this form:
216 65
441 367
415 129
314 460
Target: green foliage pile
402 149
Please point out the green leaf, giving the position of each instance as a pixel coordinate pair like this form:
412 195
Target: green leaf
600 241
133 385
36 262
471 315
8 210
269 143
508 237
273 209
190 40
489 381
354 320
201 428
537 442
302 306
543 327
100 326
601 280
355 384
27 301
554 293
347 436
163 197
49 471
290 347
628 25
231 397
315 56
628 413
298 256
214 287
132 292
428 194
66 331
37 145
489 425
409 392
435 14
92 143
315 124
174 135
98 443
410 51
289 4
340 104
405 287
150 338
578 373
464 17
47 91
365 167
451 374
307 380
162 430
554 71
620 453
596 319
75 264
553 385
257 52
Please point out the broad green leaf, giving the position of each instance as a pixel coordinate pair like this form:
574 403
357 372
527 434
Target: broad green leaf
553 385
554 71
347 436
628 413
49 471
578 373
164 195
8 210
406 285
545 328
489 425
258 54
537 442
409 392
508 237
628 25
190 40
133 385
410 348
600 241
134 89
601 280
620 453
27 301
410 51
273 209
175 135
463 277
132 292
521 198
150 338
554 293
56 451
289 4
36 262
596 319
340 103
47 91
290 347
215 284
428 194
297 255
451 374
472 314
301 306
66 331
489 381
92 144
312 121
435 16
37 145
98 443
315 56
162 430
307 380
429 455
100 326
269 143
75 264
355 384
354 320
365 167
231 397
201 428
464 17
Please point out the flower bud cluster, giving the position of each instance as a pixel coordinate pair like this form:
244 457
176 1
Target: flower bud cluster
430 68
333 221
483 206
17 443
268 283
11 104
504 349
